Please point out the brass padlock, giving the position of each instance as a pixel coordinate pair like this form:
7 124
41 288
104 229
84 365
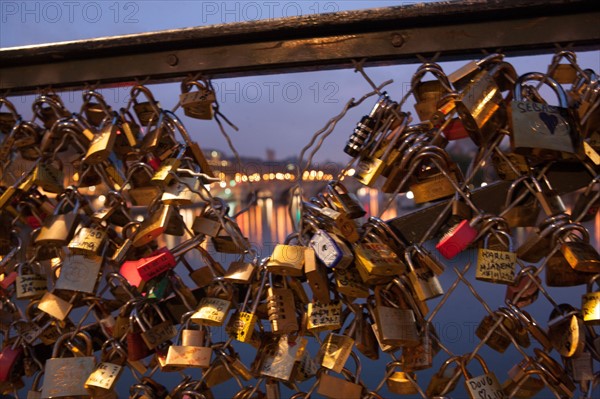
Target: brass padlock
522 383
101 382
577 251
192 349
79 274
441 383
523 213
424 282
58 228
281 308
145 111
103 142
397 327
400 382
316 274
213 308
338 388
343 200
564 73
496 266
157 332
590 303
287 260
480 104
486 384
241 324
277 357
566 330
427 94
31 282
197 104
65 377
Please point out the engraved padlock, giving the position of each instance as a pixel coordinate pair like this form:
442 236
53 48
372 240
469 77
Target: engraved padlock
496 266
197 103
485 385
590 302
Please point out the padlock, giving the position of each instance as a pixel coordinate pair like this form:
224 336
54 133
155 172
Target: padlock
192 349
197 104
540 130
548 198
480 104
521 383
362 333
281 309
590 303
440 383
276 357
335 351
566 330
349 282
31 282
66 376
154 225
561 382
440 180
214 307
145 111
336 221
230 239
378 259
564 73
182 191
324 317
538 244
79 274
577 250
458 238
580 367
22 184
101 382
424 282
316 274
461 77
400 382
88 240
157 332
139 190
36 387
55 109
485 385
287 260
420 357
524 287
396 326
345 201
331 250
103 142
499 340
242 272
378 155
95 112
205 275
206 223
55 306
49 177
523 213
427 94
496 266
11 356
58 228
241 324
367 125
337 388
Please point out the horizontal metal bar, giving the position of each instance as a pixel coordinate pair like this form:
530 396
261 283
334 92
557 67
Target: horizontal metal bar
564 178
393 35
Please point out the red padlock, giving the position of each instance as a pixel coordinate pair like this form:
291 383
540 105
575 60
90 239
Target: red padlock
458 238
11 359
159 262
8 280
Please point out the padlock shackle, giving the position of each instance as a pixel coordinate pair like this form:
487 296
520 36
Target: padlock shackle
541 77
590 284
88 95
463 364
11 108
436 71
53 102
569 227
140 89
66 338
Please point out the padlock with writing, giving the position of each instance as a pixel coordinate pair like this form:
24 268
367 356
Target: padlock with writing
79 273
566 330
459 237
241 324
485 385
539 130
154 332
590 303
31 282
287 260
191 350
197 103
349 282
66 376
101 382
214 307
324 317
277 357
496 266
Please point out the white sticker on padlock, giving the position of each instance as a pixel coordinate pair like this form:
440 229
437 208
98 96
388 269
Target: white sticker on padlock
104 376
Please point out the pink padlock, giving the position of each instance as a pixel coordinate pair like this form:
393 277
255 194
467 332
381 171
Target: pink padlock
458 238
10 360
529 294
